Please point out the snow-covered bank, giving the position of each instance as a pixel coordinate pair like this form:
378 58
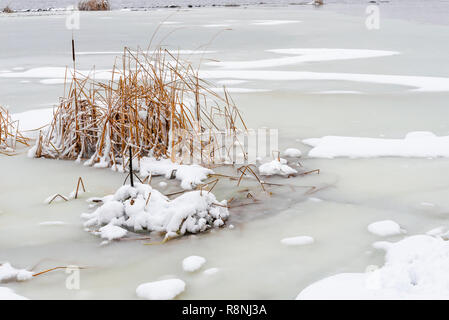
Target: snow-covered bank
415 144
144 208
415 268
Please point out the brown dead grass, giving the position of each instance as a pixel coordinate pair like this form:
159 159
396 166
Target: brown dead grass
9 134
147 99
7 9
94 5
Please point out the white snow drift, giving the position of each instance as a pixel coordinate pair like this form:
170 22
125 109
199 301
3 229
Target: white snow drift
415 268
419 144
144 208
161 290
385 228
193 263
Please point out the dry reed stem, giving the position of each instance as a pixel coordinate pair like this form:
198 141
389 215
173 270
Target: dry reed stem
9 133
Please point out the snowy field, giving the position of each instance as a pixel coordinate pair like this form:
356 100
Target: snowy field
367 108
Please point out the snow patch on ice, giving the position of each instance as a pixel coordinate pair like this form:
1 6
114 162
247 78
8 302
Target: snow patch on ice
415 144
415 268
112 232
193 263
161 290
303 56
385 228
297 241
8 294
211 271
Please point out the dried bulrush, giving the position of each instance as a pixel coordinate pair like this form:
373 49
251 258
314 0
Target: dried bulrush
9 133
94 5
7 9
154 104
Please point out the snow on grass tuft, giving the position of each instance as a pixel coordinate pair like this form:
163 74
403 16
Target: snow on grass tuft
189 175
385 228
142 207
112 232
8 294
161 290
292 152
297 241
193 263
276 167
9 273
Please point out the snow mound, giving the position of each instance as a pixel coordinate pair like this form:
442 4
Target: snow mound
415 268
385 228
161 290
189 175
8 294
9 273
297 241
112 232
292 152
193 263
420 144
144 208
276 167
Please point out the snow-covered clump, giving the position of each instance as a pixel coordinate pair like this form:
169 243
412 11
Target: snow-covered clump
385 228
9 273
161 290
276 167
8 294
193 263
144 208
416 144
189 175
292 153
297 241
415 268
112 232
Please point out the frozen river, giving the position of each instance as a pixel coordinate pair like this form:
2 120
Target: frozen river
307 72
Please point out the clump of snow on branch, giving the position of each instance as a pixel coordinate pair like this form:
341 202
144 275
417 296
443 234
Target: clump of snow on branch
276 167
9 273
161 290
415 268
292 153
189 175
193 263
144 208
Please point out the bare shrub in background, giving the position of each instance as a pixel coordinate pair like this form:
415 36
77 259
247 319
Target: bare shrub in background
94 5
